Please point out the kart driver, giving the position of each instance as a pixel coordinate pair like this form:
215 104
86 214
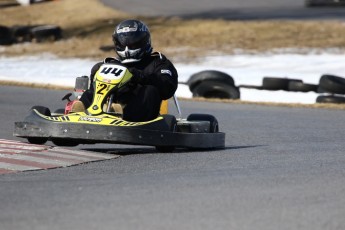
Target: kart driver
154 76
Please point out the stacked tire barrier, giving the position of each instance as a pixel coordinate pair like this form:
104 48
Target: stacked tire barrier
216 84
287 84
6 37
37 33
213 84
332 86
333 89
320 3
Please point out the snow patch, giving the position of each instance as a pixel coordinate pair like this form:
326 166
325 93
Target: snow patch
246 69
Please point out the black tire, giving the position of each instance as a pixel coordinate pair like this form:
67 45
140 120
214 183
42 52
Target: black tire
46 32
39 140
64 142
215 89
276 83
214 127
213 75
42 110
297 86
332 84
22 33
6 36
321 90
171 122
330 99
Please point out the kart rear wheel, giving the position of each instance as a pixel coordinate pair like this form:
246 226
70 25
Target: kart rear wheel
214 127
39 140
172 124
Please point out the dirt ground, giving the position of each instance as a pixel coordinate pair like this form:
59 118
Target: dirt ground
88 26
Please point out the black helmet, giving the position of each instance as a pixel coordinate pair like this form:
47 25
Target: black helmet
132 40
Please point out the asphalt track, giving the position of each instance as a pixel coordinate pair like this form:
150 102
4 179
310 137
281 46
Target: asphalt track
228 9
282 168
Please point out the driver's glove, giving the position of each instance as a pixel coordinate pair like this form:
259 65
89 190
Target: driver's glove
138 76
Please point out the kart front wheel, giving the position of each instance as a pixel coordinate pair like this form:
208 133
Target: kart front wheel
42 110
39 140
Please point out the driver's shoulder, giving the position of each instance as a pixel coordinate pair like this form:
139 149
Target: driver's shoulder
111 60
158 56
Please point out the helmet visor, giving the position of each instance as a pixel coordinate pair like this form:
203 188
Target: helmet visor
131 40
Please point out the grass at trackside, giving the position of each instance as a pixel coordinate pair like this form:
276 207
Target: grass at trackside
89 25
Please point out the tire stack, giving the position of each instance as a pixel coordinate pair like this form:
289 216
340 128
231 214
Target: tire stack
333 86
213 84
6 36
320 3
333 89
216 84
38 33
286 84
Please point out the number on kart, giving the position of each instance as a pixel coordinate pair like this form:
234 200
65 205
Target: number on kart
115 71
102 87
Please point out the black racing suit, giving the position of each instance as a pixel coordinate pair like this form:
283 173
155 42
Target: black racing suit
155 78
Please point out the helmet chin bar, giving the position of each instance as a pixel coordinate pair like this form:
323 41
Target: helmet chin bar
130 60
129 54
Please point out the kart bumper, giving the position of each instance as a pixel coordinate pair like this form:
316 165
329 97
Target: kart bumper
91 134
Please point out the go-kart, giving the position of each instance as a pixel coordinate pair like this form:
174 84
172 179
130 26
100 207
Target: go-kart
100 124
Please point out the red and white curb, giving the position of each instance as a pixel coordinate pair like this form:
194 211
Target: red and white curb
18 156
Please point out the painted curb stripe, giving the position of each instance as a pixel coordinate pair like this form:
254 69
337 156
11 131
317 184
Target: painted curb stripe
57 158
26 147
16 167
16 143
5 171
30 158
29 164
80 155
84 153
16 156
